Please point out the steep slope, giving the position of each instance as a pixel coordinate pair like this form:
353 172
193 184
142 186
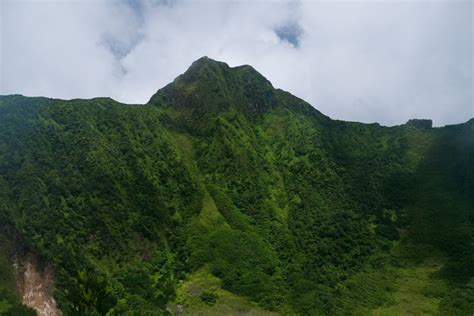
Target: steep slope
222 176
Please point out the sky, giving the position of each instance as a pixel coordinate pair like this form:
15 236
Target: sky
380 61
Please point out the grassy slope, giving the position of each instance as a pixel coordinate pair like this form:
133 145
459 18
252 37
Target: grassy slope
191 299
417 291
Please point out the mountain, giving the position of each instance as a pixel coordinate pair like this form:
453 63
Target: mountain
224 195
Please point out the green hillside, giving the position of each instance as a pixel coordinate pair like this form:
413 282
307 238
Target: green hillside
223 195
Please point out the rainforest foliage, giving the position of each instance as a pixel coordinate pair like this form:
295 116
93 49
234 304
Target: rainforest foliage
296 212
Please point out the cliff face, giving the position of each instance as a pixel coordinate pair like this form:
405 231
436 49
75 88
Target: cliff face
26 288
420 123
36 286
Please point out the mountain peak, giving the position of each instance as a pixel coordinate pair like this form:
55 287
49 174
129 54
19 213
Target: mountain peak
206 66
203 59
206 62
212 86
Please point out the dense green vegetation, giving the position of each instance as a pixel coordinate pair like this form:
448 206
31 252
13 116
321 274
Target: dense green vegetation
223 180
10 303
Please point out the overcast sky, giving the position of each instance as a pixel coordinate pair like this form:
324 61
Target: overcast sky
372 61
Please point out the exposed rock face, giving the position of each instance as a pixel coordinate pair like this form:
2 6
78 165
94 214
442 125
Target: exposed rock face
420 123
36 287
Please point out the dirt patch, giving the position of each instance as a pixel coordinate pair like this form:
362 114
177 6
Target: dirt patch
36 287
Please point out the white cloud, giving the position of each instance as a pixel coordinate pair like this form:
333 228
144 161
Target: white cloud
384 61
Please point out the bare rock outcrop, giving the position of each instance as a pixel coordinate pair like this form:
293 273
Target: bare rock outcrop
36 287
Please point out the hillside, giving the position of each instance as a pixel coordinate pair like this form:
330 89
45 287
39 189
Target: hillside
224 195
